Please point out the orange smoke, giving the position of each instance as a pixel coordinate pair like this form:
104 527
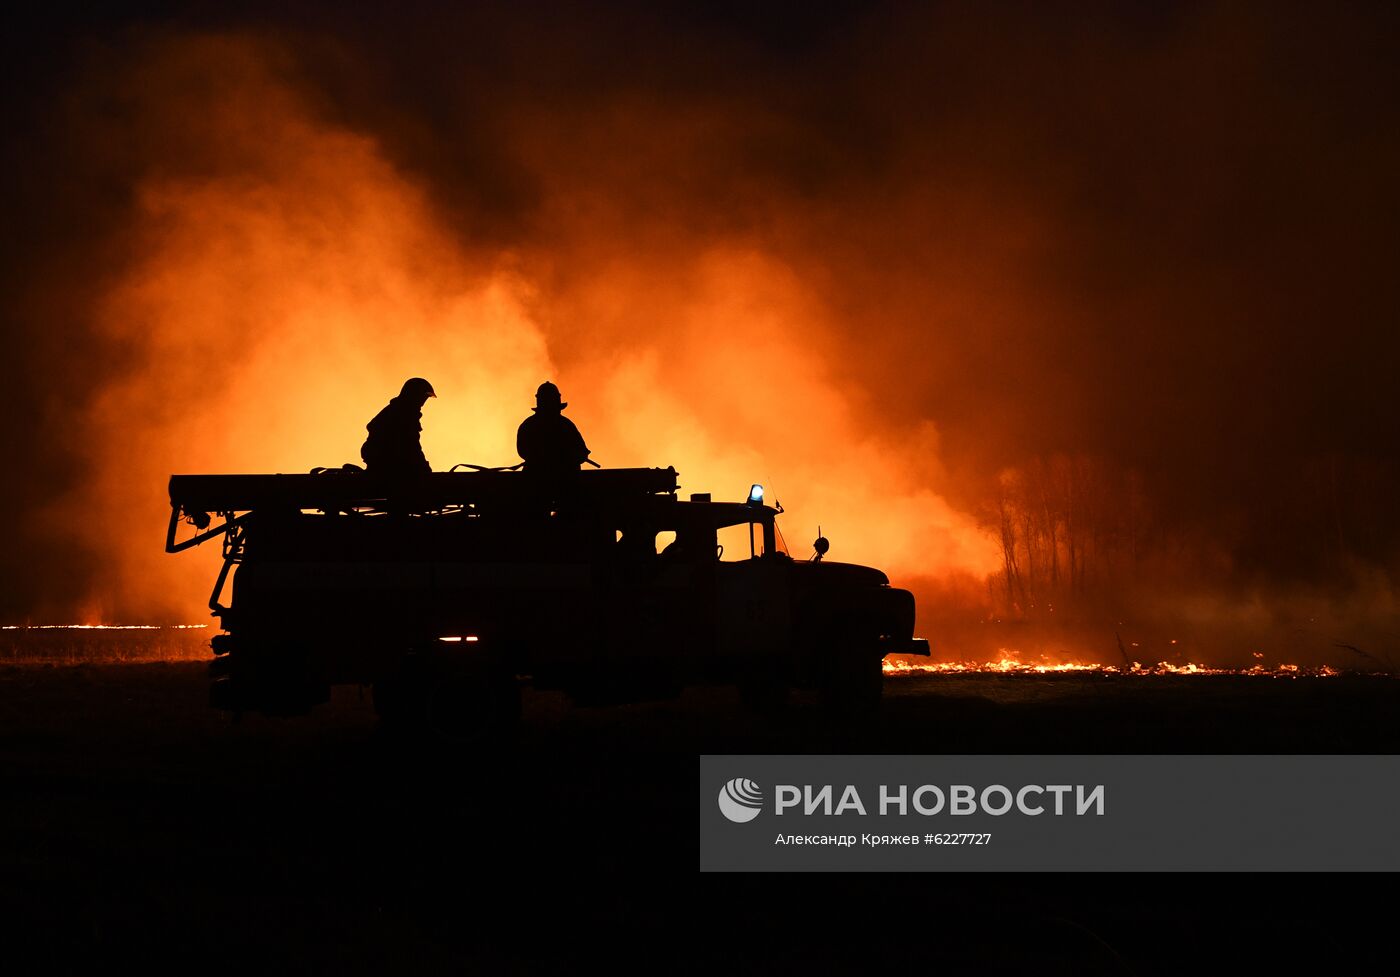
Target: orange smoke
276 294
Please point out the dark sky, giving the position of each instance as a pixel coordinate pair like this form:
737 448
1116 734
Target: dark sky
1161 234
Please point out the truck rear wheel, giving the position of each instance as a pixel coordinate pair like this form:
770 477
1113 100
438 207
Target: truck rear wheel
764 686
473 710
460 708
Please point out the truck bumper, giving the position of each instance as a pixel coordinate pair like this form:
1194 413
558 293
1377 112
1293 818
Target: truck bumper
904 646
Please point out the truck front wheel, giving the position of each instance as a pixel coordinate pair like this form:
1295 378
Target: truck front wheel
853 678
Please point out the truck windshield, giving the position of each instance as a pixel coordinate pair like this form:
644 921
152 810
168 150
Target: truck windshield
742 542
779 544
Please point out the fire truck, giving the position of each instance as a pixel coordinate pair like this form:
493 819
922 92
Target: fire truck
447 592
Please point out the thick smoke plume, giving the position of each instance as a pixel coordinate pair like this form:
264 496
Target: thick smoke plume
272 299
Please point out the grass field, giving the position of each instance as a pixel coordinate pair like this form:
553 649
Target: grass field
140 828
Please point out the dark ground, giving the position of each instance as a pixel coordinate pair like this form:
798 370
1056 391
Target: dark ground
142 829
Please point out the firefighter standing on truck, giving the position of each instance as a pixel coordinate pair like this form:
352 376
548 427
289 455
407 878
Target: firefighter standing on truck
393 448
547 440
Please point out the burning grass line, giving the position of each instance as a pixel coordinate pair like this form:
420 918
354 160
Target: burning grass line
99 644
1014 666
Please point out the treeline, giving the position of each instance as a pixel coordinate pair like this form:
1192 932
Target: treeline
1082 534
1073 529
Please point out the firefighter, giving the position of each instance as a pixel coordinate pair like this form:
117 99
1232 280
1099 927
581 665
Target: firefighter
392 447
547 440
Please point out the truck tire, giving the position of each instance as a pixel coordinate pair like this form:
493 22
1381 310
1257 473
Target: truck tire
450 707
764 686
473 709
853 676
400 703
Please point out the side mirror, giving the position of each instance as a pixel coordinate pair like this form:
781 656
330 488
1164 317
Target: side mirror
821 545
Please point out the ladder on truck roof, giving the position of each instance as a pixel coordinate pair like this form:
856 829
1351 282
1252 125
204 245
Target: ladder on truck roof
195 497
236 498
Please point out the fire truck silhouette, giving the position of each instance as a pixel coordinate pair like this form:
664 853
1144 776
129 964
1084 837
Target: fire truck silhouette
448 591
